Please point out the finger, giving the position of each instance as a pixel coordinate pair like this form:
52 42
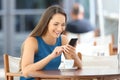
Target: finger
66 52
71 47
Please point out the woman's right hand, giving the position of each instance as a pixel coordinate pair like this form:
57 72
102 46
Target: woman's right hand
57 51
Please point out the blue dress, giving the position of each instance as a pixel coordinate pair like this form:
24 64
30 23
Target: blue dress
43 51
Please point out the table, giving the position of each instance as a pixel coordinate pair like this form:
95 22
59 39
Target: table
99 73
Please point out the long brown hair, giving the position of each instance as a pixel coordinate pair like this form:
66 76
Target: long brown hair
42 26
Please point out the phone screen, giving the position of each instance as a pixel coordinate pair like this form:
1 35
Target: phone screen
73 41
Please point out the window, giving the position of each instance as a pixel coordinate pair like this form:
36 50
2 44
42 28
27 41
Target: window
0 23
26 22
35 4
0 4
25 16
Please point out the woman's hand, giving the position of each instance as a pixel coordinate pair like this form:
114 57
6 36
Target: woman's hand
57 51
70 50
70 53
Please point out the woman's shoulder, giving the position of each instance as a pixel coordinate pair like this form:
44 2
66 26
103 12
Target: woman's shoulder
64 39
30 40
31 43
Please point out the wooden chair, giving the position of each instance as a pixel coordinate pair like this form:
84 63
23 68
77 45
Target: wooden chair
11 67
100 61
106 40
8 74
80 55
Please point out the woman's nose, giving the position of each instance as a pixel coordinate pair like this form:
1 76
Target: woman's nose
60 28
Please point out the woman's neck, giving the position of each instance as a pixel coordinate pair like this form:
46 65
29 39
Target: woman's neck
49 40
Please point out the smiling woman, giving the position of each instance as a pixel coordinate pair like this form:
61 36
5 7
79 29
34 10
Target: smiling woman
57 24
43 47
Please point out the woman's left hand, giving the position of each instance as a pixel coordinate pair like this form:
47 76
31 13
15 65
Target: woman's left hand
70 50
70 53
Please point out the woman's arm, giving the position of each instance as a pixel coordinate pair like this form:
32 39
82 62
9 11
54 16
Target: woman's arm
29 50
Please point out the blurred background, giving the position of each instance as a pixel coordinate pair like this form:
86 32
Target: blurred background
19 17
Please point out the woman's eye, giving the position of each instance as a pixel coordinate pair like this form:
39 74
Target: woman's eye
55 24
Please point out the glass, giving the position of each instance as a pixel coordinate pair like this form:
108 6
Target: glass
0 23
26 22
35 4
1 43
0 4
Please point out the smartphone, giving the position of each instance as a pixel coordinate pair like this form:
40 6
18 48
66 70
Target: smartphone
73 42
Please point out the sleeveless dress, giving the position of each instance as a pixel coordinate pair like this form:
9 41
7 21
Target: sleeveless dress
43 51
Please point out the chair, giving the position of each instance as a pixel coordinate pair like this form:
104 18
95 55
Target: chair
11 67
106 40
80 55
9 75
100 61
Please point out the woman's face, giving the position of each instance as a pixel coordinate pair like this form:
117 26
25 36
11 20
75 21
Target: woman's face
56 25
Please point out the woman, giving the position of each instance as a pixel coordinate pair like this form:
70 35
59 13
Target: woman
43 48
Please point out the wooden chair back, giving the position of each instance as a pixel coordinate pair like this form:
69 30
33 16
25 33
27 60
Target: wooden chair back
106 40
9 75
100 61
80 55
